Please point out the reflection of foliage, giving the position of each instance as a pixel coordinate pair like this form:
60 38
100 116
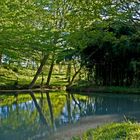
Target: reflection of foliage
101 104
20 119
19 115
24 115
83 104
21 98
58 101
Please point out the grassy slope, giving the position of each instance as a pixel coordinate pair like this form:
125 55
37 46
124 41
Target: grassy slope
84 86
114 131
9 77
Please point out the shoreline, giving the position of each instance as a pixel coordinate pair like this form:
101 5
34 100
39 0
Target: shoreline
74 88
84 124
102 89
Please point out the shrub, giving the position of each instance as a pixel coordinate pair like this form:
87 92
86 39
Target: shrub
114 131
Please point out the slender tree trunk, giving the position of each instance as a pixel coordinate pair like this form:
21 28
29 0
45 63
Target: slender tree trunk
42 117
60 68
76 103
27 66
50 73
70 83
51 110
0 58
42 80
38 71
74 66
69 107
82 64
69 72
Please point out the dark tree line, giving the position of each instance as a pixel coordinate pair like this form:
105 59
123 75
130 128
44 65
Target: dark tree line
116 58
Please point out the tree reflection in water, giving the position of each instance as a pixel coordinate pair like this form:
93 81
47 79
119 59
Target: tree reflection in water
51 111
42 118
36 115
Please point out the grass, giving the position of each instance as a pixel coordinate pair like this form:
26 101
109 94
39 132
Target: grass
114 131
85 86
10 75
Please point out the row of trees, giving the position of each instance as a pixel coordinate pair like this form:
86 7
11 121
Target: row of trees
116 58
110 46
93 33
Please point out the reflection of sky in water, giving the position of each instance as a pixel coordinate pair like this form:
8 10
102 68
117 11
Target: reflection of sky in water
69 111
65 114
5 110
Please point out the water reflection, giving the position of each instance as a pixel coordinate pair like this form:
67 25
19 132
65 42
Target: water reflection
32 116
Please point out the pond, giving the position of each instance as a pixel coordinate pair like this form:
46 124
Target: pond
33 116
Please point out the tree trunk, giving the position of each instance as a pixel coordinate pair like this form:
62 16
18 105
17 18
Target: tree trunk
69 72
68 99
42 117
82 64
38 71
50 73
42 80
51 110
0 58
70 83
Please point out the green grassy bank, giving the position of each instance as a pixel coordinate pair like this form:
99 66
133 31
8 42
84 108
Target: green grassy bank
114 131
19 78
13 78
85 86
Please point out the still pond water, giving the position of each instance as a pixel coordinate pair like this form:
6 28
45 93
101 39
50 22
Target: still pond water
34 115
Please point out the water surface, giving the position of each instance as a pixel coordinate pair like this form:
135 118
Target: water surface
36 115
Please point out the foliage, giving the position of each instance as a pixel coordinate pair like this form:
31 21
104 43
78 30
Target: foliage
22 115
122 131
86 86
113 44
9 100
88 32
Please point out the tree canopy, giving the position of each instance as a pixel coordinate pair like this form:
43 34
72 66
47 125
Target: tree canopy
97 34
